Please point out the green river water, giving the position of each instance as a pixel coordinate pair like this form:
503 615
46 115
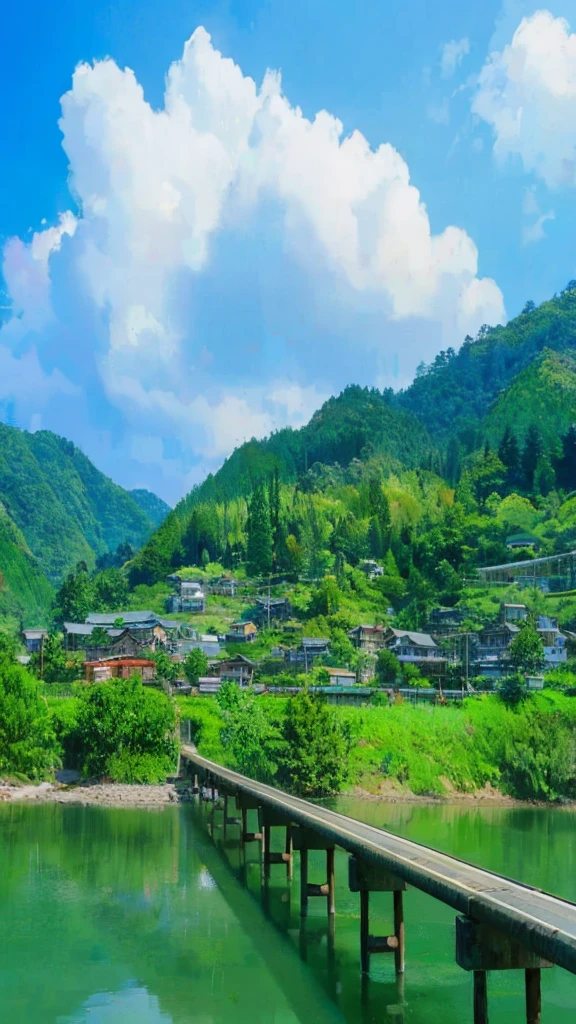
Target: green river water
118 916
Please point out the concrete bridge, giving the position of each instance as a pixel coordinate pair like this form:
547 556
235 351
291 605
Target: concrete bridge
501 924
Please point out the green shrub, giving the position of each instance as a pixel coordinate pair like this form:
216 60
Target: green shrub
146 769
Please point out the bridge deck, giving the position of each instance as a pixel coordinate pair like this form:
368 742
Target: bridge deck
544 923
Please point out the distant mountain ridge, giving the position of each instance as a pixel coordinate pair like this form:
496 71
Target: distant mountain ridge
154 507
65 508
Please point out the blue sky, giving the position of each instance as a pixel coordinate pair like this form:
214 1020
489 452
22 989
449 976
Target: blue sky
185 267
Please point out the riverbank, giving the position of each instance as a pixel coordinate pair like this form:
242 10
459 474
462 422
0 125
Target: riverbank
111 794
104 794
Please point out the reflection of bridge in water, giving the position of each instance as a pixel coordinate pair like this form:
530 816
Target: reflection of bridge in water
551 572
502 924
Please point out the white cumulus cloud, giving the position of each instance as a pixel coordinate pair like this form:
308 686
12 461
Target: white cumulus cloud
527 94
233 261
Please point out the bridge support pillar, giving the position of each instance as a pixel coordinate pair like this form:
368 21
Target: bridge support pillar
245 803
268 820
481 948
305 839
365 878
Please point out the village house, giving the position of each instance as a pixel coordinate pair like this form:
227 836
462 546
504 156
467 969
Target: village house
120 668
411 647
369 639
123 643
147 627
189 597
309 648
206 642
443 621
241 632
275 609
209 684
223 586
555 650
514 613
238 670
371 568
341 676
33 639
491 657
521 540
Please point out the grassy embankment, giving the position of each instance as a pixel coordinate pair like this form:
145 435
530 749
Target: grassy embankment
528 752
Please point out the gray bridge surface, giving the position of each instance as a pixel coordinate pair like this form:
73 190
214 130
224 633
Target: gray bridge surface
545 924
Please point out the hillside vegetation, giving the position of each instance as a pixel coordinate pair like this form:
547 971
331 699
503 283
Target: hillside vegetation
25 593
66 509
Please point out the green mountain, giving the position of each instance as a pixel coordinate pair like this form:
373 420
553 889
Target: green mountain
151 505
456 391
25 593
66 509
541 395
360 425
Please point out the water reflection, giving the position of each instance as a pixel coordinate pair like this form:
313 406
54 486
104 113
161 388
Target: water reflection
142 915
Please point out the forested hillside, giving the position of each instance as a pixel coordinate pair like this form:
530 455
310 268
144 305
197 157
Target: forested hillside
66 509
151 505
25 593
434 478
453 394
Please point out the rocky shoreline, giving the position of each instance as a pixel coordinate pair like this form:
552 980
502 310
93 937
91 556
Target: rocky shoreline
103 794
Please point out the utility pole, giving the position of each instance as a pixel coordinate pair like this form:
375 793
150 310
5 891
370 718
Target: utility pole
269 581
42 658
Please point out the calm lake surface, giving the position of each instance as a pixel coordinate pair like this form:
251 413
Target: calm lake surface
135 917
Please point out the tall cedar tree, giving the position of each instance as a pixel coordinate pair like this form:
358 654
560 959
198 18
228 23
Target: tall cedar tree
531 453
509 454
274 504
259 548
566 469
379 517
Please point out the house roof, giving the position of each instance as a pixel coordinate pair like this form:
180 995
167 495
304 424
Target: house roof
34 634
272 601
341 672
315 641
78 628
109 618
420 639
236 660
134 662
242 625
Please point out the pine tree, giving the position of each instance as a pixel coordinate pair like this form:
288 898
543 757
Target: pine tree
531 453
379 517
274 505
259 550
509 454
566 470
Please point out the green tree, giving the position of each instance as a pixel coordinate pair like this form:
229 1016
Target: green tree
259 549
195 665
509 454
387 668
532 451
75 599
326 598
566 469
126 731
166 669
379 507
27 740
110 590
314 758
247 735
51 662
527 649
